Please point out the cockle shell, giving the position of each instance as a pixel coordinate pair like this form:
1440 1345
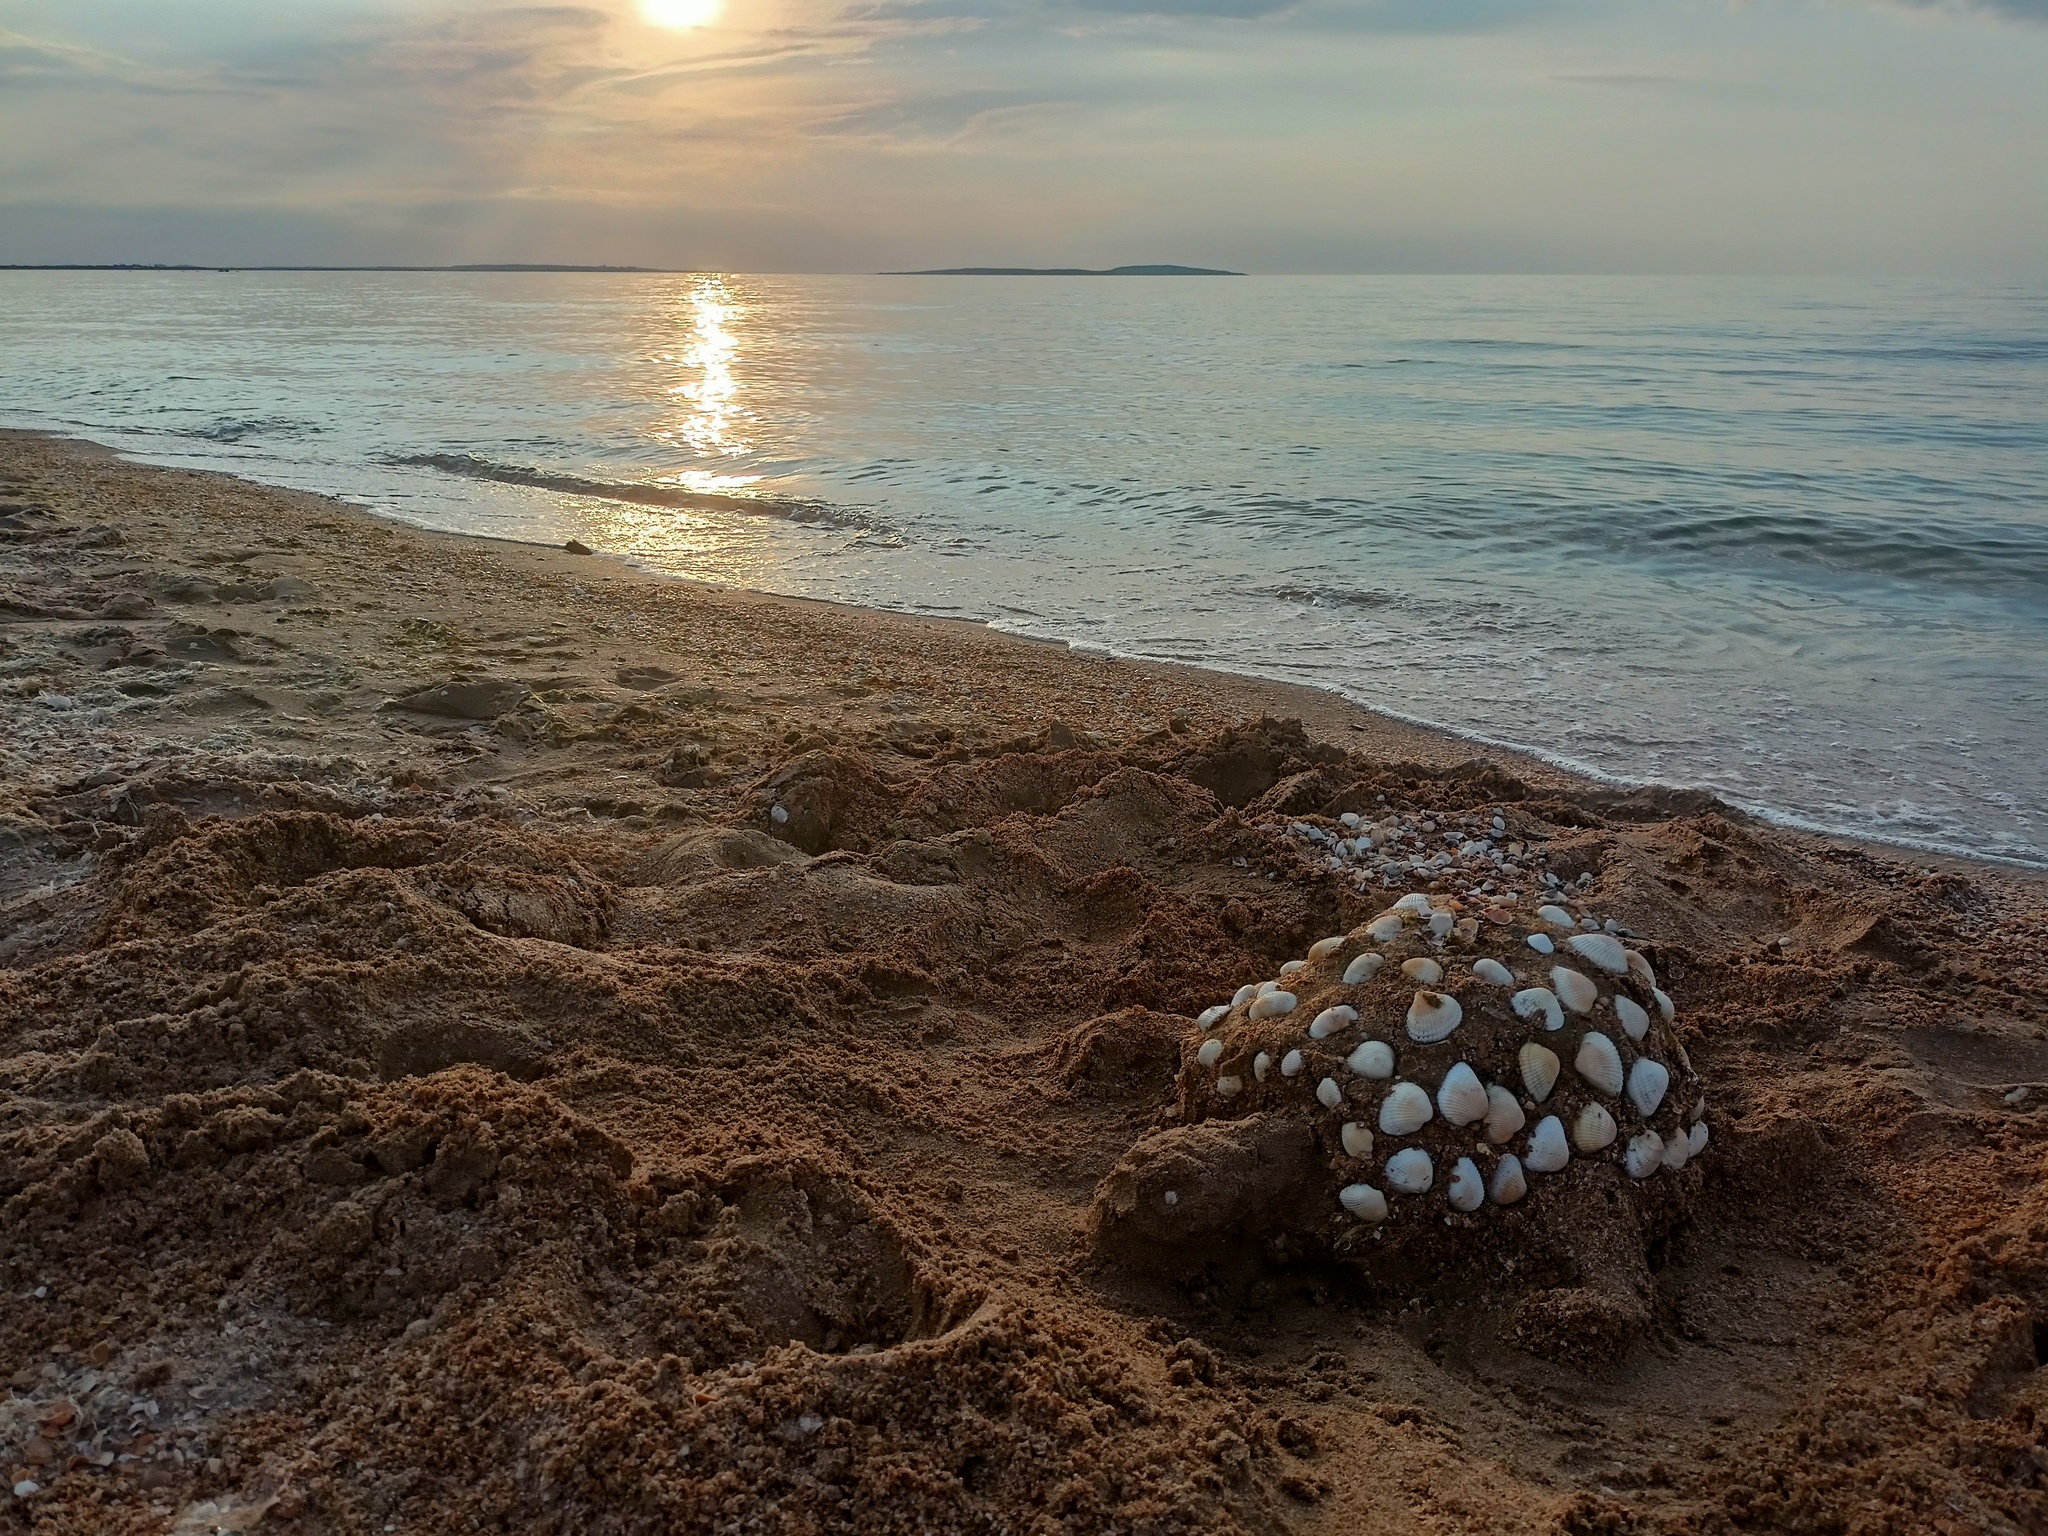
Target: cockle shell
1362 968
1373 1058
1548 1150
1557 917
1639 968
1358 1140
1328 1094
1634 1022
1210 1053
1603 949
1486 968
1211 1017
1508 1184
1594 1128
1441 924
1574 990
1645 1155
1405 1110
1664 1004
1534 1002
1322 949
1264 988
1410 1172
1462 1098
1414 902
1540 942
1467 1191
1363 1201
1229 1087
1292 966
1292 1063
1599 1063
1423 970
1385 928
1432 1017
1504 1115
1696 1139
1261 1065
1273 1005
1539 1070
1677 1149
1245 994
1647 1081
1330 1020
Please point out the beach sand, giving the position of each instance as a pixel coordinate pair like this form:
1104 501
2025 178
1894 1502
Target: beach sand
493 1040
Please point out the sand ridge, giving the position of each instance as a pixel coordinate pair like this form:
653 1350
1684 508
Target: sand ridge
493 1041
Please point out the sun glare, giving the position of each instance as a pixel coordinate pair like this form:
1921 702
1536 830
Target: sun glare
681 15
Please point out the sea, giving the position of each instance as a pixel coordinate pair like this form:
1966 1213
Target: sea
1783 539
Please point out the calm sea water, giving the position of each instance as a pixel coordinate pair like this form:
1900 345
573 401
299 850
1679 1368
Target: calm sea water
1784 539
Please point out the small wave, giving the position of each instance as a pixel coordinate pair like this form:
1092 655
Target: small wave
642 493
233 429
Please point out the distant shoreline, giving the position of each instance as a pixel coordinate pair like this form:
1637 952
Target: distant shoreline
1143 271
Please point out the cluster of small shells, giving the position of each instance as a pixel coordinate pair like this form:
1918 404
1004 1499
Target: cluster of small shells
1456 1049
1475 851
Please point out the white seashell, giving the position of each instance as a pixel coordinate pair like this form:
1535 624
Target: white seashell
1639 968
1677 1148
1362 968
1574 990
1210 1053
1330 1020
1414 902
1645 1155
1229 1087
1328 1094
1508 1184
1664 1003
1532 1001
1603 949
1363 1201
1385 928
1696 1139
1211 1017
1539 1070
1462 1097
1292 966
1540 942
1593 1129
1634 1021
1410 1172
1599 1063
1292 1063
1422 969
1432 1017
1322 949
1647 1081
1261 1065
1263 988
1490 969
1441 923
1245 994
1548 1150
1273 1005
1557 917
1373 1058
1467 1191
1504 1117
1358 1140
1405 1110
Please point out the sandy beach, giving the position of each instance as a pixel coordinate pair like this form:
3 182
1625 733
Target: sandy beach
493 1040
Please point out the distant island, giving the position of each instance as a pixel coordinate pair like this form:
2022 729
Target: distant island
1154 271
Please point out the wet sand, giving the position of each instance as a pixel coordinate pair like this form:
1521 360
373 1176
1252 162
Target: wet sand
493 1040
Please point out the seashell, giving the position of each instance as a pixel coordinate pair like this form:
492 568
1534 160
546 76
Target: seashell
1405 1110
1593 1129
1292 966
1599 1063
1410 1172
1322 949
1211 1017
1422 969
1677 1148
1441 924
1664 1003
1432 1017
1385 928
1634 1021
1639 968
1363 1201
1330 1020
1467 1191
1245 994
1273 1005
1504 1117
1557 917
1362 968
1229 1087
1645 1155
1647 1081
1373 1058
1532 1001
1358 1140
1548 1150
1261 1065
1263 988
1414 902
1603 949
1508 1184
1539 1070
1696 1139
1328 1094
1574 990
1540 942
1490 969
1210 1053
1292 1063
1462 1097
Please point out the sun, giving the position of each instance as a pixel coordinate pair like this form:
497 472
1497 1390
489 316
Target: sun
681 15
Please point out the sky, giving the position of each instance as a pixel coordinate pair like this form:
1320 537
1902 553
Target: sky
1884 136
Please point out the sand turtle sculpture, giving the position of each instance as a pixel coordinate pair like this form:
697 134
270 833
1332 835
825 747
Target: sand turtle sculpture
1485 1096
